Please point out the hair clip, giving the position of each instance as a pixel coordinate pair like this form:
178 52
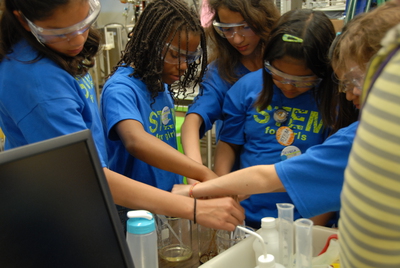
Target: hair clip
291 38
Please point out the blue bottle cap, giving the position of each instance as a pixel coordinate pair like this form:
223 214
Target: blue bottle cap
140 222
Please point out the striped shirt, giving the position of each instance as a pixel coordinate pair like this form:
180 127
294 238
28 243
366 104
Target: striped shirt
370 214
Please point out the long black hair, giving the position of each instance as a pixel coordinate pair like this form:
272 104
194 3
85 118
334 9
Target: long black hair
317 32
11 32
159 23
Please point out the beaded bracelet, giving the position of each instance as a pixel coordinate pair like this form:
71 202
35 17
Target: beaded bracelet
194 211
191 189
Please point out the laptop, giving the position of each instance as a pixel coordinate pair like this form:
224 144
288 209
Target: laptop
56 209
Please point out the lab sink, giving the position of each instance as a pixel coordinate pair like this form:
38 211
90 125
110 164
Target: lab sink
241 255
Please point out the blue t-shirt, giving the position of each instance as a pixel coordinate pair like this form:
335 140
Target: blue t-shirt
209 105
256 132
124 97
314 180
40 101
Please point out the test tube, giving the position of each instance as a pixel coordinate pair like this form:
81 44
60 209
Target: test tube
285 215
303 243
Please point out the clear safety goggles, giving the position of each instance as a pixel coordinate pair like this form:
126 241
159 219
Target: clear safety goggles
228 30
174 55
51 36
306 81
352 79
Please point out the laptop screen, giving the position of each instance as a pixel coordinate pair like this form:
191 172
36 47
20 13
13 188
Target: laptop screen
56 208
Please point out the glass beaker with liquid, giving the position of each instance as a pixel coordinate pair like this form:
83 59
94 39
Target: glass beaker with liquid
174 238
207 243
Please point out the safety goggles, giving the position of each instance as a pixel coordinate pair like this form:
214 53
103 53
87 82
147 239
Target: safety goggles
174 55
306 81
228 30
352 79
51 36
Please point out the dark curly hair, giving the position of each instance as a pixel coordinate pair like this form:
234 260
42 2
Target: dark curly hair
162 20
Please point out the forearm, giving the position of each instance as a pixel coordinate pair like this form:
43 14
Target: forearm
252 180
224 157
190 137
159 154
136 195
219 213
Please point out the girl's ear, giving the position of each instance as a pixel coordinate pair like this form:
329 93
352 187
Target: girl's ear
21 20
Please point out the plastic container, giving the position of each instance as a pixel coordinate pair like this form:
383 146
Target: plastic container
141 237
270 235
268 262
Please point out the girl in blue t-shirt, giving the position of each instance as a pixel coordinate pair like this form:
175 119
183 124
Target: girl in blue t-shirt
162 60
237 33
314 179
46 50
282 109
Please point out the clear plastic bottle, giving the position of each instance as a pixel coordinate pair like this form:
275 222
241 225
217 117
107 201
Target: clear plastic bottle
141 237
270 235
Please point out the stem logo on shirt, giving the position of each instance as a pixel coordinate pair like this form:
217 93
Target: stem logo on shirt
300 121
161 124
86 84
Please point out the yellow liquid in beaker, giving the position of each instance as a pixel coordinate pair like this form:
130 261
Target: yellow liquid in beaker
175 253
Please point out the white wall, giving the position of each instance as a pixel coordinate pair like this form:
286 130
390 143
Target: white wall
111 12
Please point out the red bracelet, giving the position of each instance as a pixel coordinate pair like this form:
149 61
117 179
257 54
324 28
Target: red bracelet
191 189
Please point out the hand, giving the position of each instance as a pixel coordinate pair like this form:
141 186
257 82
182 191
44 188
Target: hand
191 181
242 197
219 213
181 189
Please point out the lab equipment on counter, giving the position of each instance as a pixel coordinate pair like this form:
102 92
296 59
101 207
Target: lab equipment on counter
141 237
207 243
268 261
285 215
265 260
226 239
241 255
270 235
174 238
303 229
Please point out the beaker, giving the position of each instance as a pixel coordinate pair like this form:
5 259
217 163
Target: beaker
207 243
285 215
174 238
304 251
226 239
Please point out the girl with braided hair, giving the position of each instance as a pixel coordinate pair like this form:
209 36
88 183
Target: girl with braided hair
164 57
51 45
